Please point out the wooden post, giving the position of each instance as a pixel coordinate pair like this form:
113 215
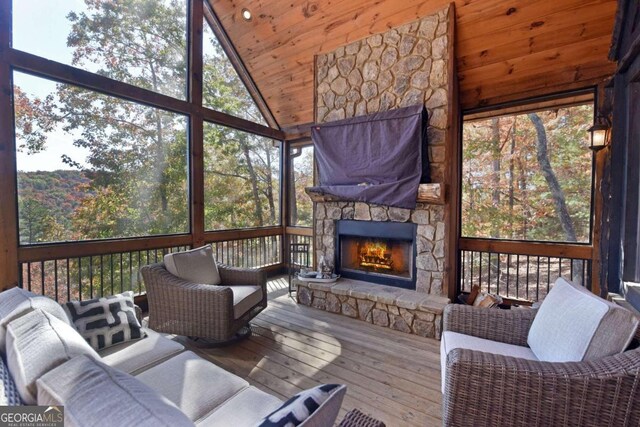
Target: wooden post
196 124
9 273
453 160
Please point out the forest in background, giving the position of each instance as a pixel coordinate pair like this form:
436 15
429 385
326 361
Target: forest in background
135 175
528 176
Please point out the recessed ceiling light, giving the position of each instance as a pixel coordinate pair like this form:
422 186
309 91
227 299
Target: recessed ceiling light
246 14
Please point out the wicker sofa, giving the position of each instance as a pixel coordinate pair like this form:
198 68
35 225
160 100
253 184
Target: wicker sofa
152 381
485 388
212 312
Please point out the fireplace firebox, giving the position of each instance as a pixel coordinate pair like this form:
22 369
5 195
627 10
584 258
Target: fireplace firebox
379 252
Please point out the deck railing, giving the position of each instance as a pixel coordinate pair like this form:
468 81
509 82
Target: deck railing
85 270
520 270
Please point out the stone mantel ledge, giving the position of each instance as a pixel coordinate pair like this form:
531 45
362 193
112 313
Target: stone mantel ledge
399 309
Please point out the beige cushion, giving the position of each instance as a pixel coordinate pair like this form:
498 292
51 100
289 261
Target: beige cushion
245 298
246 408
16 301
193 384
94 394
136 356
196 266
36 343
452 340
573 324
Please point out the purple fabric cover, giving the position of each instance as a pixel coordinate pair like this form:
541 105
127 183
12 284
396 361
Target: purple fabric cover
380 158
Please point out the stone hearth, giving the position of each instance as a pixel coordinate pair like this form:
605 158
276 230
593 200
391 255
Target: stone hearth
398 309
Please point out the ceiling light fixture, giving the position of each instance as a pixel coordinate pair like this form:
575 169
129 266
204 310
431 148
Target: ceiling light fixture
246 14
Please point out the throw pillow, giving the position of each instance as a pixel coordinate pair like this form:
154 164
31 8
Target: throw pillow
303 406
106 321
9 395
196 266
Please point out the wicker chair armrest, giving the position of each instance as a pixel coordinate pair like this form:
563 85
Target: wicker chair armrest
183 299
508 326
234 276
489 389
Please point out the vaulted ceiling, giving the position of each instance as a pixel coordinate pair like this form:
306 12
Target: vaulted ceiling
505 49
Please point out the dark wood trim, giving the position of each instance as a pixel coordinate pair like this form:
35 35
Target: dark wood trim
41 67
196 125
248 233
523 102
559 250
9 274
453 158
238 65
300 231
298 132
98 247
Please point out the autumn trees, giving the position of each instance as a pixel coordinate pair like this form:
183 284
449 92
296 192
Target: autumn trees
528 176
133 158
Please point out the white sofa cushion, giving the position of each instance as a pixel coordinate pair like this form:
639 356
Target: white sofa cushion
16 301
36 343
193 384
573 324
94 394
196 266
245 298
135 356
452 340
246 408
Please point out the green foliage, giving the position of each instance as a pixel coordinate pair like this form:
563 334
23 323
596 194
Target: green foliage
505 195
135 174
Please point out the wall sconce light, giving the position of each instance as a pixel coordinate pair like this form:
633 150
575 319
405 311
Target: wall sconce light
599 133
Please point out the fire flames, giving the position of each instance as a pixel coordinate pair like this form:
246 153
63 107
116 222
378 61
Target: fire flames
376 254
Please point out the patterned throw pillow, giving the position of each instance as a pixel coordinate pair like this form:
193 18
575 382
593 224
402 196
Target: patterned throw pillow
300 407
9 395
106 321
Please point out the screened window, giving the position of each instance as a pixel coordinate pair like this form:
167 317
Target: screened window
223 90
242 179
143 42
92 166
301 206
528 175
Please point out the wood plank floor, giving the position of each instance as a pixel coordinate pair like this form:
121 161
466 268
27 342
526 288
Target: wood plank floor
392 376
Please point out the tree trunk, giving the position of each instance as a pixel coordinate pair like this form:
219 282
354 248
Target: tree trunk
293 203
511 177
552 181
269 180
495 173
253 178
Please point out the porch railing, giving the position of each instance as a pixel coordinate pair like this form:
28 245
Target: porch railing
85 270
522 271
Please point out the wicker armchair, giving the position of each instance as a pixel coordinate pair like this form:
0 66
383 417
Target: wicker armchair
484 389
196 310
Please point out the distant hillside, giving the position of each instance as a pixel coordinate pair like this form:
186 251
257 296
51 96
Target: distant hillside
45 194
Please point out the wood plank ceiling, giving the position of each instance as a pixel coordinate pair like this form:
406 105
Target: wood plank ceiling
505 49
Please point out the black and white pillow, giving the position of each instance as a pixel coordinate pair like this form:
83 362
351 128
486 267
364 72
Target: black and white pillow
106 321
300 407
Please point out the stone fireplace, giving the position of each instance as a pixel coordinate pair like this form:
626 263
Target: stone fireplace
377 252
404 66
